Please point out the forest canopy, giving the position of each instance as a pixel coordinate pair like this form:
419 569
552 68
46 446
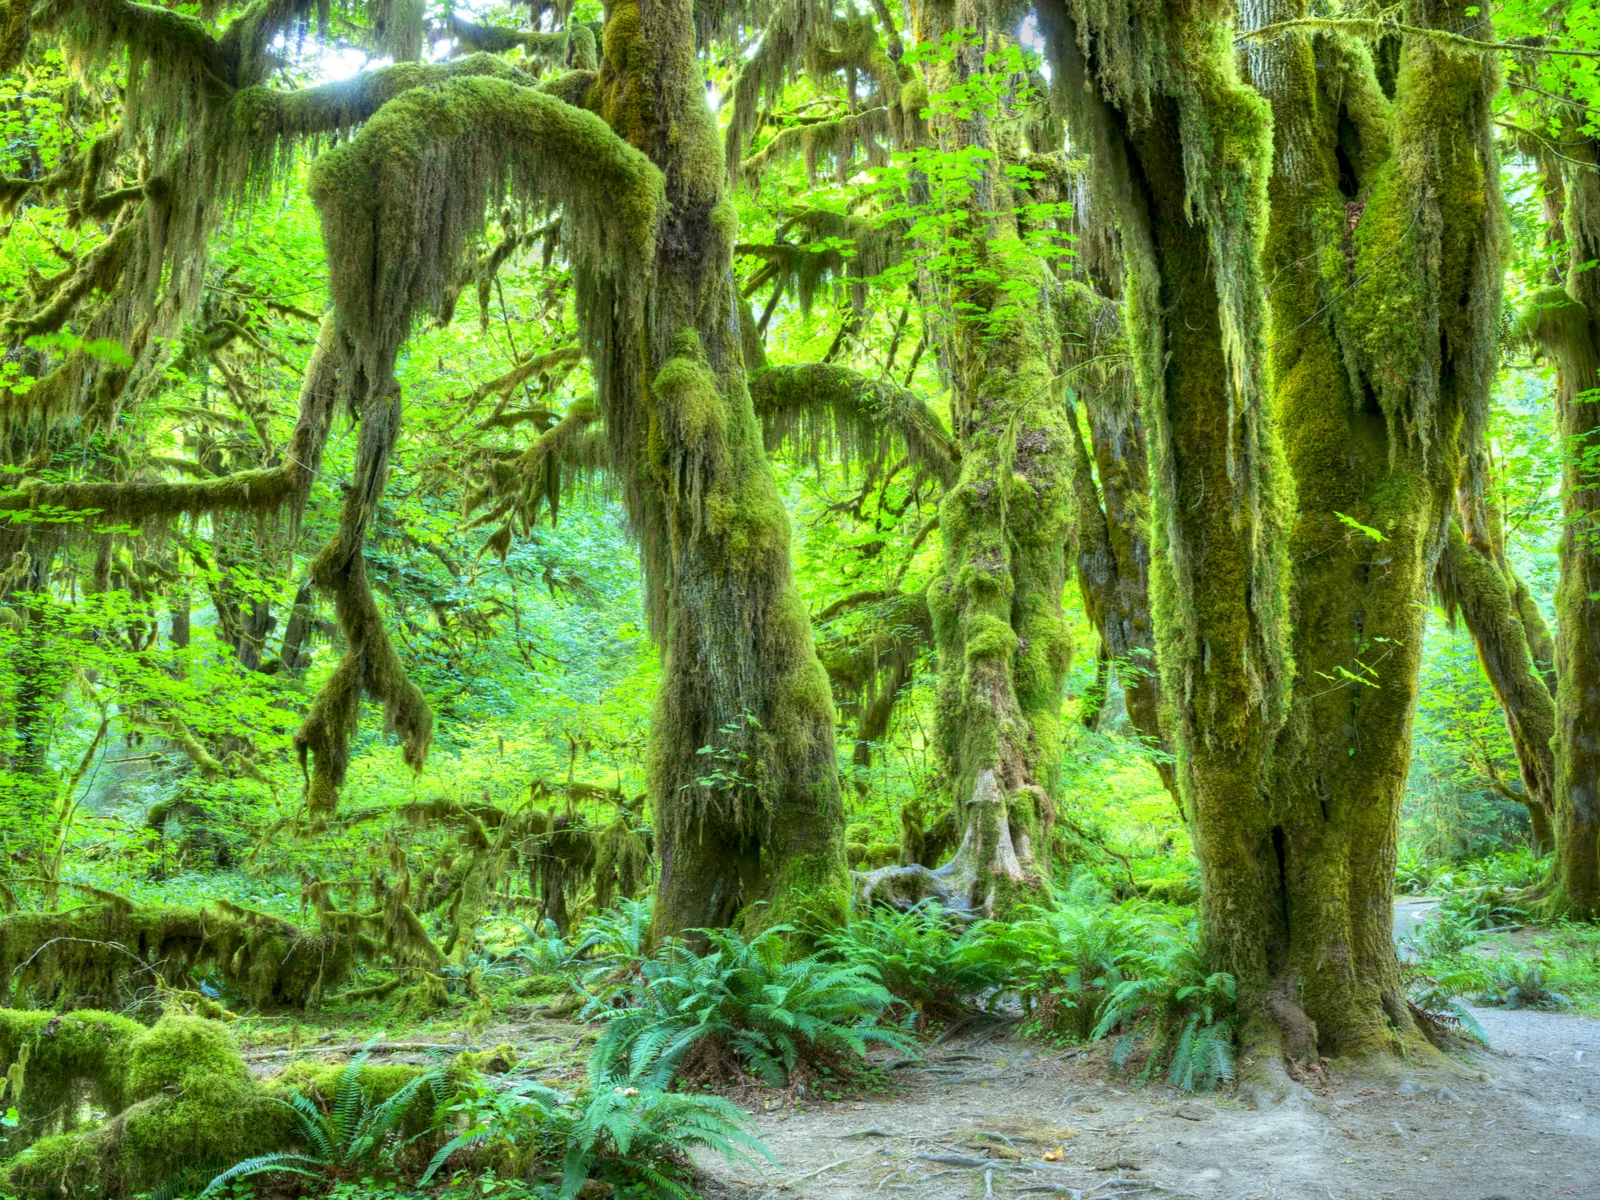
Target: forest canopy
470 474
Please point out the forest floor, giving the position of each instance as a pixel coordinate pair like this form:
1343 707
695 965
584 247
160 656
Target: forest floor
978 1115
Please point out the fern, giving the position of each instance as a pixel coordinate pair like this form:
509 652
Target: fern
624 1136
353 1138
739 999
921 955
1066 961
1184 1015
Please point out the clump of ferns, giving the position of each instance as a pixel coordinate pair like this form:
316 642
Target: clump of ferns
935 966
624 1136
1178 1014
740 1010
355 1137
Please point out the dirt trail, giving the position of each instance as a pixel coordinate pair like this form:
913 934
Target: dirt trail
1520 1122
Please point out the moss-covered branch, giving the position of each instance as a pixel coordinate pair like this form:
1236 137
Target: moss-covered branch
572 47
860 415
836 138
399 202
266 125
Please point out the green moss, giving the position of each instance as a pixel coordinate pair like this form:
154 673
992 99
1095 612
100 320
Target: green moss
687 396
179 1097
74 955
55 1061
179 1101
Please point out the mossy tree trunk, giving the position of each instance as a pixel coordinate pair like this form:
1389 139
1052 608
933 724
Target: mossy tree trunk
1181 152
1111 482
757 819
1384 260
1004 646
1385 249
1566 323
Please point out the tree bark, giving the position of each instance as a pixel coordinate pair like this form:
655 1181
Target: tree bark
1004 645
1565 322
756 823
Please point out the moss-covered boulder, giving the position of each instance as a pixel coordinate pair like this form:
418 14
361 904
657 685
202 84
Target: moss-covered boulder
181 1096
182 1104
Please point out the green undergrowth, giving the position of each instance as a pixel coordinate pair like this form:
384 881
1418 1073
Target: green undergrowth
1483 945
102 1106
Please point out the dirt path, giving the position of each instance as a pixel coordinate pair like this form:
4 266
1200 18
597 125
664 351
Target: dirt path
1409 914
1519 1123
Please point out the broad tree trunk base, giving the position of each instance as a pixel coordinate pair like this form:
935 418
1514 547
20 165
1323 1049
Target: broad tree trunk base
993 871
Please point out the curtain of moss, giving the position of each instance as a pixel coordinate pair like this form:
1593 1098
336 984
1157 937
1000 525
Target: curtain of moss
1566 323
1474 581
42 675
1004 646
757 818
1181 151
1111 481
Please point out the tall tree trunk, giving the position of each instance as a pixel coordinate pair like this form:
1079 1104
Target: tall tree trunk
757 820
293 654
1112 529
1383 220
1004 645
1566 323
1184 162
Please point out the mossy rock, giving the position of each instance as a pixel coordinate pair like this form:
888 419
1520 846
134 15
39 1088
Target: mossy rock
859 832
190 1103
184 1102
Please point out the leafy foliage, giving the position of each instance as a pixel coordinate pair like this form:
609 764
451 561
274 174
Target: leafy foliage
738 1007
351 1138
623 1136
1185 1013
921 955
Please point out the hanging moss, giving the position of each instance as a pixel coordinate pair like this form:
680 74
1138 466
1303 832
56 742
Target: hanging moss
837 138
571 47
818 255
266 126
400 201
398 204
836 410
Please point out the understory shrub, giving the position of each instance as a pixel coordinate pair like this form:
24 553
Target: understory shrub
1178 1013
622 1136
1065 962
1520 983
923 956
739 1008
